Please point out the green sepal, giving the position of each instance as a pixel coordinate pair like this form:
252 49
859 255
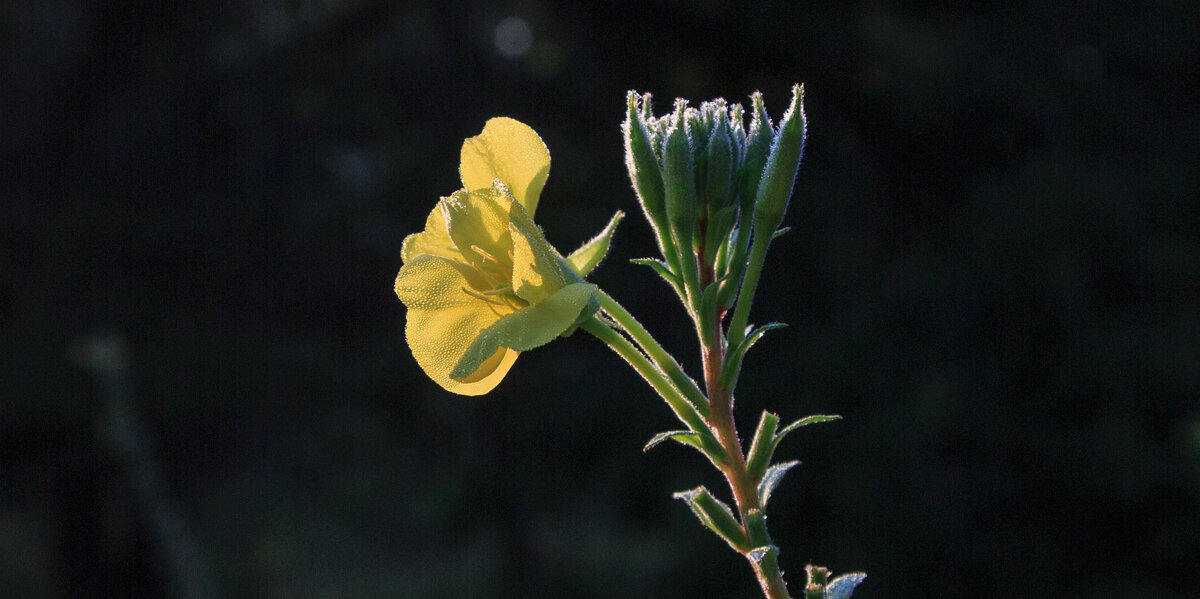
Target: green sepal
529 327
771 479
843 586
762 446
779 232
733 362
714 514
584 259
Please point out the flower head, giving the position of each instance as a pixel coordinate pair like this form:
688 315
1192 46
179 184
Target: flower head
481 283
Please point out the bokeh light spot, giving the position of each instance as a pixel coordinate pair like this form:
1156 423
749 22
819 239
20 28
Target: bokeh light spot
513 37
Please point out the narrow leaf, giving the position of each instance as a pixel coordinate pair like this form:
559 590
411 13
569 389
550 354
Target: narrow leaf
703 442
843 586
805 422
682 437
661 268
771 479
714 514
733 362
779 232
763 445
584 259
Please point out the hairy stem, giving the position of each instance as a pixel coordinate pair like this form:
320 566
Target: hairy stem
743 485
741 314
683 409
665 361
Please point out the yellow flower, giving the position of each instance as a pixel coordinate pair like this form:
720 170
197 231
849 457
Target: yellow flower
481 283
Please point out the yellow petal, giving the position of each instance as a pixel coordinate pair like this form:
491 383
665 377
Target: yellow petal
536 272
477 222
433 240
510 151
444 320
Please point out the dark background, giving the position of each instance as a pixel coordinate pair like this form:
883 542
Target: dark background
993 274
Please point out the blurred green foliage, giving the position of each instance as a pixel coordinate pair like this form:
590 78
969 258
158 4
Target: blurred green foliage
992 273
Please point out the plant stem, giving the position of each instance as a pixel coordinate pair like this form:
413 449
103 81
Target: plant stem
758 255
665 361
683 409
743 485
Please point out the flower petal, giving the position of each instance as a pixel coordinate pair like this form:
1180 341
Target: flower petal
508 150
528 327
537 272
584 259
444 321
477 222
433 240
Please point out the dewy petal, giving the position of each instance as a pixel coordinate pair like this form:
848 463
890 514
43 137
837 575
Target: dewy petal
435 239
477 222
528 327
444 321
536 273
508 150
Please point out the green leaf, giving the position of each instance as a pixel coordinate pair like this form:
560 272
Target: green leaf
714 514
704 442
771 479
843 586
763 446
779 232
659 267
733 362
527 328
804 422
684 437
584 259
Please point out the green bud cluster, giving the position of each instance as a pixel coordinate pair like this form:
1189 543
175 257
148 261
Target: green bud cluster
705 179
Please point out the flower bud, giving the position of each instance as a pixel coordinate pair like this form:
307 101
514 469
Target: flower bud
679 179
758 145
775 189
641 161
720 163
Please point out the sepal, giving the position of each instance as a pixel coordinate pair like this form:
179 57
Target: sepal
584 259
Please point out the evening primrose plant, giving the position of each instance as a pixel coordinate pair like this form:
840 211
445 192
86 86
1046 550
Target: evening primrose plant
482 284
